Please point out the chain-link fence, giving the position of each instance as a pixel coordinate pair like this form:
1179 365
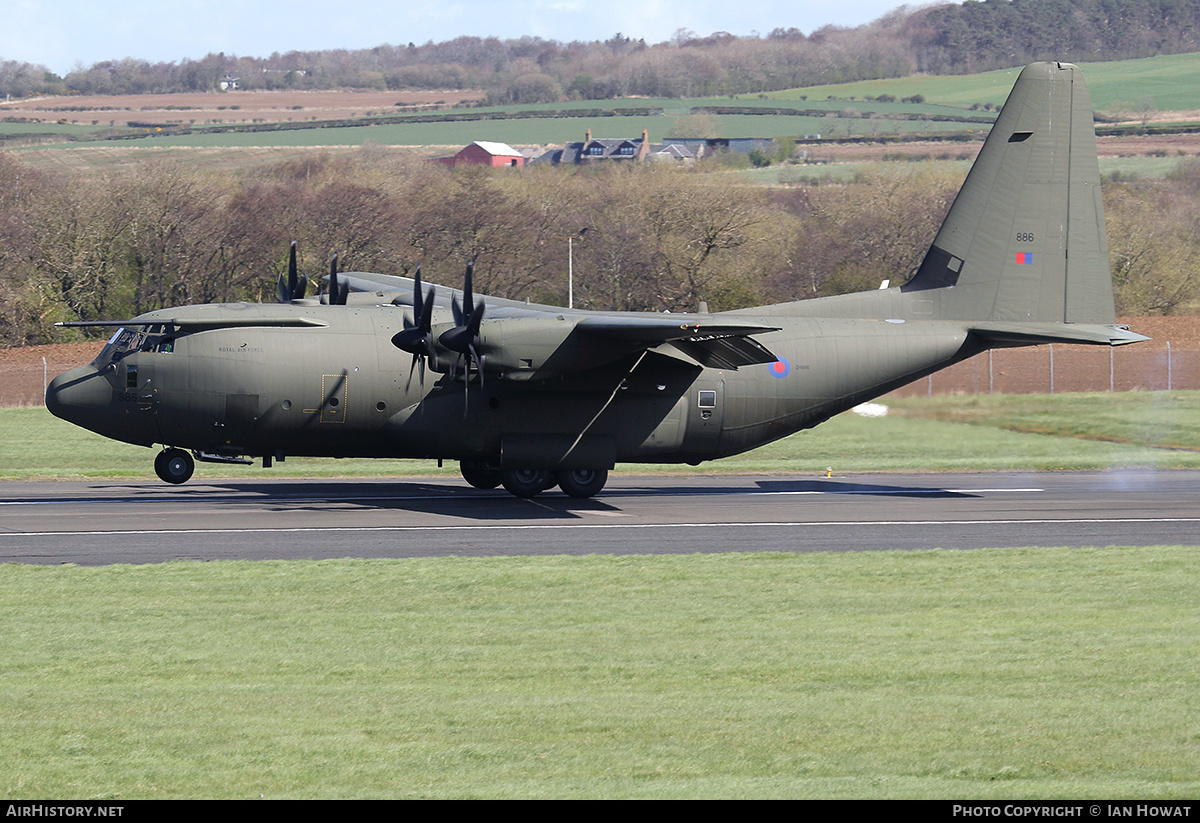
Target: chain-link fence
24 384
1058 368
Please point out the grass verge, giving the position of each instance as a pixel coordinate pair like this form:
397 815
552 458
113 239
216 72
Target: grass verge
986 674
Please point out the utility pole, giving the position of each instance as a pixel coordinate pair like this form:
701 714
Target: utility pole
571 264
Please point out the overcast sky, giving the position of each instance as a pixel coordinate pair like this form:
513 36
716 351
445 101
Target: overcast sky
60 34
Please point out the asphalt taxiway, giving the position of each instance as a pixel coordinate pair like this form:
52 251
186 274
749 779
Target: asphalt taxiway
97 523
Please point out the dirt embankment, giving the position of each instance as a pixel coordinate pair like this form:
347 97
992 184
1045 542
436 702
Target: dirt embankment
228 107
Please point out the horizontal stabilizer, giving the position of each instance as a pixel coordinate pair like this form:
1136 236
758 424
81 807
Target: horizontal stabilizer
1027 334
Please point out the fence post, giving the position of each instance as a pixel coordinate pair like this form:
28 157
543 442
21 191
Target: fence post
1168 365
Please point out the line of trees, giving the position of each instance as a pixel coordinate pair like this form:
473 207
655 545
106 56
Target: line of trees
949 39
111 245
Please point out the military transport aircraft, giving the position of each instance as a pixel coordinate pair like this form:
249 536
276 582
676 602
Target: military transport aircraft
531 396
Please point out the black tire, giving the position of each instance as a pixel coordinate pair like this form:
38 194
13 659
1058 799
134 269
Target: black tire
174 466
480 473
582 483
526 482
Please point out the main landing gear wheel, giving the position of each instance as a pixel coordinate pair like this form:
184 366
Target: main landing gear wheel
526 482
582 483
480 474
174 466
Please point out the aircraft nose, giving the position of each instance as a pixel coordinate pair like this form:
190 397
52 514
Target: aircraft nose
77 393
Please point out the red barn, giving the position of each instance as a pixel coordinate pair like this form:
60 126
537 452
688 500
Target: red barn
484 153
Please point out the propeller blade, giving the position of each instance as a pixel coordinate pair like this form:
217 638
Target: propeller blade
293 275
417 296
335 292
462 311
468 296
426 319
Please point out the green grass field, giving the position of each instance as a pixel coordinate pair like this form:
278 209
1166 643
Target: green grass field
529 131
1172 81
1014 673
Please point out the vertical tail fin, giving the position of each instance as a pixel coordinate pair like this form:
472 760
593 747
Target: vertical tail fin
1025 238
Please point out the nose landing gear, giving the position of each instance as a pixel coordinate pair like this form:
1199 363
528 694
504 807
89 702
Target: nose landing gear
174 466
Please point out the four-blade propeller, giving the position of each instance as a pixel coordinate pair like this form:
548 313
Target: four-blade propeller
464 337
417 337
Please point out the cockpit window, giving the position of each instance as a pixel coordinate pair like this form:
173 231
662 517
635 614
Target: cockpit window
128 339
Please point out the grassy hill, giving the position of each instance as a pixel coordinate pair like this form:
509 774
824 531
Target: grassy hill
1173 81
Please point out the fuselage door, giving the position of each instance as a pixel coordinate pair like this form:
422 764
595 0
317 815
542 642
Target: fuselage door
334 391
706 413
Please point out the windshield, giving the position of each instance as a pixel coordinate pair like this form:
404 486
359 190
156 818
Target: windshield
128 339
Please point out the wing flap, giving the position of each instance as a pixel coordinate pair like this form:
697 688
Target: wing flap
726 352
712 344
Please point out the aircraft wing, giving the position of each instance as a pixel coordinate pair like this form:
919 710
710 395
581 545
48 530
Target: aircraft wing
711 343
200 323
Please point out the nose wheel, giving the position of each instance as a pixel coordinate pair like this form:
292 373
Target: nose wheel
174 466
481 474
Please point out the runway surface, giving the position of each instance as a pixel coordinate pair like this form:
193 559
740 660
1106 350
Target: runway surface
97 523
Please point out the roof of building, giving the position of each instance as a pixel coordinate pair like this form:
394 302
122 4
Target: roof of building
502 149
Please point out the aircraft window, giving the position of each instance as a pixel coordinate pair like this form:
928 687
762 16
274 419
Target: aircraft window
127 340
708 400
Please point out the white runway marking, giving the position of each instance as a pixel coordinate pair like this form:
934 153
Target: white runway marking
594 526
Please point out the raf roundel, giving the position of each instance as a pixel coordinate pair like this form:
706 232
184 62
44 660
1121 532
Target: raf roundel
780 368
